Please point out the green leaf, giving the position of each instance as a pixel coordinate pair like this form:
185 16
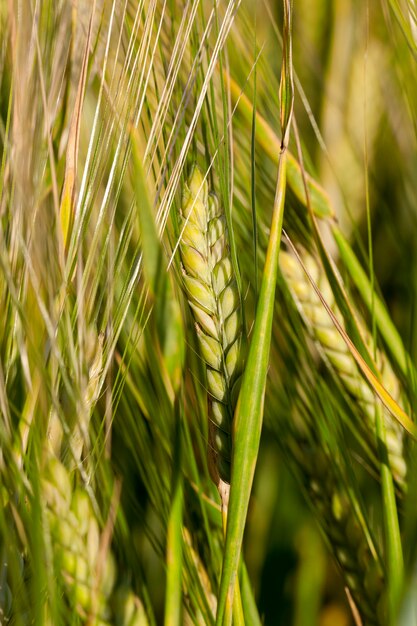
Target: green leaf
248 418
173 592
168 326
249 410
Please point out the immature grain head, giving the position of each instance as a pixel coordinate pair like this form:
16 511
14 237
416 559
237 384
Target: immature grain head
214 298
337 354
75 538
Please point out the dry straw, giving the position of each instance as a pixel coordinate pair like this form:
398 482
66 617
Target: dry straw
214 298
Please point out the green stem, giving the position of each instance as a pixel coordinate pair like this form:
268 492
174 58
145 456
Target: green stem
233 610
248 418
394 554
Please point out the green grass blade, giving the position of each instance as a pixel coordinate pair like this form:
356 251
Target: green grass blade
286 88
393 547
152 253
174 540
394 554
249 410
253 180
250 609
248 418
168 319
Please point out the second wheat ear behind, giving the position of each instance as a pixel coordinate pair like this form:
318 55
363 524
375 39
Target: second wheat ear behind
213 295
337 355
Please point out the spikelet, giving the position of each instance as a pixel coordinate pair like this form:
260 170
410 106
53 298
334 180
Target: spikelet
214 298
338 355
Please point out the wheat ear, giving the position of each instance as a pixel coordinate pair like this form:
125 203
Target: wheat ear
76 542
72 522
337 354
214 298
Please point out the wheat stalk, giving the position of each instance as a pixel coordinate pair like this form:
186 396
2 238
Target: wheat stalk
338 355
214 298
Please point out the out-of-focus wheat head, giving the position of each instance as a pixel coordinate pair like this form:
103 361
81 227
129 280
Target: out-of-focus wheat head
337 354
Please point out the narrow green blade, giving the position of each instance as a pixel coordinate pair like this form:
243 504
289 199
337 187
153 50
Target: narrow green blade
173 594
248 417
